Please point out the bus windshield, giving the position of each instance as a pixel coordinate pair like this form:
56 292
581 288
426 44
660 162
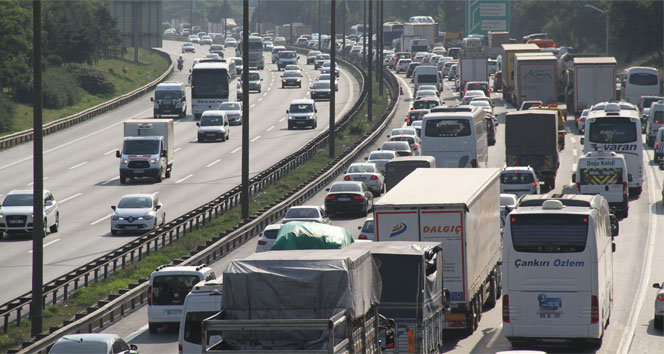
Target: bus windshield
612 130
447 128
209 83
549 233
643 79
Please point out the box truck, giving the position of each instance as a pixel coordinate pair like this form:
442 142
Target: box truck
147 149
460 208
535 78
472 69
593 81
508 65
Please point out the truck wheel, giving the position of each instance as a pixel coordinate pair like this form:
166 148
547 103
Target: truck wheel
168 173
123 179
635 191
153 327
55 227
471 319
491 301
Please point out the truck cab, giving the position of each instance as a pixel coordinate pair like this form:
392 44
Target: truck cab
147 149
604 173
170 98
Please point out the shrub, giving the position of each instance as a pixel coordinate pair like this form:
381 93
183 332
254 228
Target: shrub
60 88
6 114
54 60
92 80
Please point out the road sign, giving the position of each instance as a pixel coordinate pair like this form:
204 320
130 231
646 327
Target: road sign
483 16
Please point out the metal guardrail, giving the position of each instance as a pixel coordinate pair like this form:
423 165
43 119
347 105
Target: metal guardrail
127 300
24 136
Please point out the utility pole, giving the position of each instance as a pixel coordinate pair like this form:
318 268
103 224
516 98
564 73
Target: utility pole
320 29
364 33
244 196
290 35
37 305
369 71
191 18
333 86
343 30
381 45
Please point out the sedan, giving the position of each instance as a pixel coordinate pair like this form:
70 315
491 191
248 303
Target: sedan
415 115
320 90
422 94
367 230
367 173
659 306
206 40
188 48
348 197
470 95
326 77
137 212
293 67
380 158
581 121
291 78
268 237
401 148
412 140
309 213
233 112
230 42
311 56
402 65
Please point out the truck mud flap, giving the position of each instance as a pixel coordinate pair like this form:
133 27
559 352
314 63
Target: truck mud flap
454 321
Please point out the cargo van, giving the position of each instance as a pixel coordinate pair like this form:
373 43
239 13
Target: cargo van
558 269
400 167
427 75
604 173
654 122
202 302
170 98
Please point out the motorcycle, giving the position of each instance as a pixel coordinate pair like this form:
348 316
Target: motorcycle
180 65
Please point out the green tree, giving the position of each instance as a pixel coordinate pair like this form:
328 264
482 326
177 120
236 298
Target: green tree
16 39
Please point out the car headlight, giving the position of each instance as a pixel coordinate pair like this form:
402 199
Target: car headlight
298 80
153 161
148 217
124 162
290 117
115 217
2 216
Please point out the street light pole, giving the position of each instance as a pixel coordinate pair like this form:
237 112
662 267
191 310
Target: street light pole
606 14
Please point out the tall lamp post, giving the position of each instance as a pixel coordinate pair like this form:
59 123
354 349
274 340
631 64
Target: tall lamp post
605 13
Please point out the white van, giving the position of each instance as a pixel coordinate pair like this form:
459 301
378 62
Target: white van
427 75
203 301
604 173
169 285
558 269
654 122
214 125
170 98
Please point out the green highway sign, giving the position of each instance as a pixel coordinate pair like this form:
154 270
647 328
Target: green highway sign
483 16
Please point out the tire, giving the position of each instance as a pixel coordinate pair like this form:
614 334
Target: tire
123 179
53 229
365 212
153 327
159 178
658 323
636 191
163 220
491 301
168 172
471 318
290 126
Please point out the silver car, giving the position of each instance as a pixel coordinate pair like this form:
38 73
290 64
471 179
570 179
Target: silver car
380 158
659 306
233 112
137 212
367 173
93 343
309 213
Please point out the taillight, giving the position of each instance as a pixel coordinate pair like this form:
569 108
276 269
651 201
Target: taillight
358 197
408 122
150 295
594 309
656 144
534 184
180 348
262 242
374 177
414 146
362 237
578 186
506 308
656 121
346 178
489 90
330 197
577 119
660 297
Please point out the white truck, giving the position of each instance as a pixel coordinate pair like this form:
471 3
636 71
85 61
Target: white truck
147 149
473 69
604 173
593 80
428 31
535 78
460 208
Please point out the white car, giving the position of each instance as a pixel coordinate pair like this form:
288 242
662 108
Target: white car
519 180
93 343
418 127
402 65
16 212
380 158
367 230
367 173
508 202
581 121
659 306
326 77
137 212
206 40
214 125
309 213
194 39
403 131
268 237
230 42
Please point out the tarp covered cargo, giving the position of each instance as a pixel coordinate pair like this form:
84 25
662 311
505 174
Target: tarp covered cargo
297 284
297 235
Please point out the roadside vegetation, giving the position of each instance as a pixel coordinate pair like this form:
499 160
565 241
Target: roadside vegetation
83 298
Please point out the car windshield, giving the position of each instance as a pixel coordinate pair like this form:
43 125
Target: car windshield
612 130
294 213
216 47
141 147
480 103
301 108
424 104
324 77
507 200
345 187
229 106
75 346
135 202
292 74
403 132
212 121
287 55
323 57
292 67
427 78
477 86
172 289
167 95
238 61
313 54
381 156
322 85
424 93
409 139
254 76
395 146
361 168
18 200
516 178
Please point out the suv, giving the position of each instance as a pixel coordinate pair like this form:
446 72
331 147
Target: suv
519 180
286 57
302 113
169 285
16 212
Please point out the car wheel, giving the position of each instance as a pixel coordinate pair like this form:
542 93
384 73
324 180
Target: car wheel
168 173
114 232
159 178
55 227
290 126
282 86
123 179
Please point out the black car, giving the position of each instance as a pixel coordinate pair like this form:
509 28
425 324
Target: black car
411 68
291 78
320 90
348 197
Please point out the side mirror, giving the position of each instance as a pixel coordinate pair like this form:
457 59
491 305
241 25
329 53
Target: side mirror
359 227
629 177
582 140
656 285
133 347
573 177
198 124
613 247
315 110
113 207
151 99
615 228
157 207
117 153
286 111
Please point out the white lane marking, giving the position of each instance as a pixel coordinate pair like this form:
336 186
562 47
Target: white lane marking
282 119
101 219
265 94
31 183
110 152
75 140
574 167
47 244
270 128
134 335
628 334
236 150
260 99
252 105
77 166
574 152
70 198
254 139
178 149
110 180
184 178
494 337
213 163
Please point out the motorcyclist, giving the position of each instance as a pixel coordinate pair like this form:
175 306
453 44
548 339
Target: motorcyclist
180 63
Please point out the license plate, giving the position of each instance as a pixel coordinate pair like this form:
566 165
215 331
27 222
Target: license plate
138 171
300 122
211 134
131 227
344 199
173 312
15 221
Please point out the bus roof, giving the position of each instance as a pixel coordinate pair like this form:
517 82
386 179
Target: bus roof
211 65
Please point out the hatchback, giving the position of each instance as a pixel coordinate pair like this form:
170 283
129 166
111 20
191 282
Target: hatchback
93 343
367 173
348 197
402 65
367 230
412 140
137 212
401 148
519 180
267 237
310 213
415 115
469 95
477 85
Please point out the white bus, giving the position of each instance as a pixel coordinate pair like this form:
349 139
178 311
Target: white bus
639 81
210 86
558 269
456 139
617 127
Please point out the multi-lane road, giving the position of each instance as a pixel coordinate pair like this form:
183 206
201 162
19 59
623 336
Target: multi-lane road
637 262
81 169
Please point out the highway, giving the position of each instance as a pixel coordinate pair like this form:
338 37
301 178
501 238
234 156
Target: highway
81 169
637 263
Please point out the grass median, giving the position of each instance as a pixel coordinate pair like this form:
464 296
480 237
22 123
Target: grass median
83 298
